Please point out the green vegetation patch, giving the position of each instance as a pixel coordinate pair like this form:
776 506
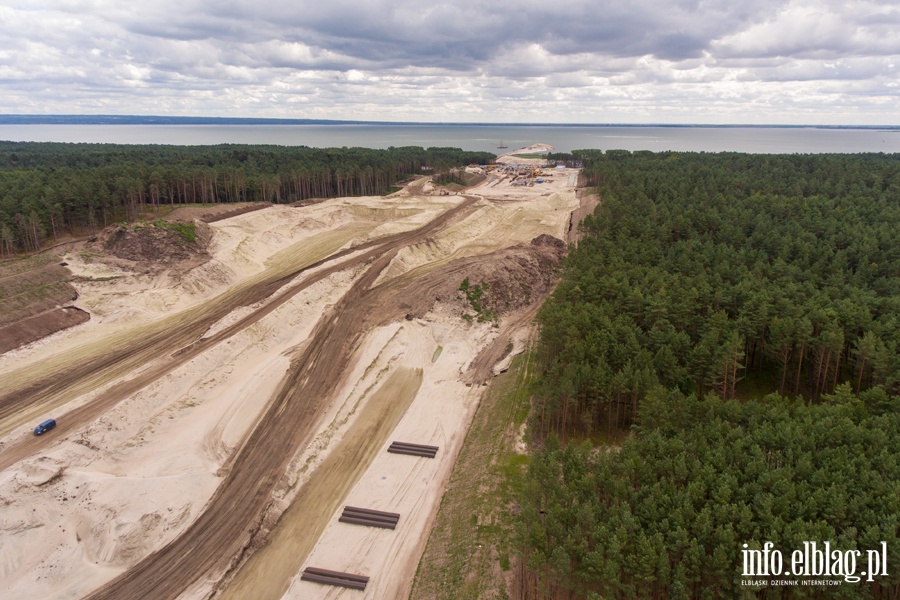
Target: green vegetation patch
469 552
186 229
474 295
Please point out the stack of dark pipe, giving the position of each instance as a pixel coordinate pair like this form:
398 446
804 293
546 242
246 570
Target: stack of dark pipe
413 449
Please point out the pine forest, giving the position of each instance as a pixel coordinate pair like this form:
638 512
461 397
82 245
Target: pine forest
719 369
50 190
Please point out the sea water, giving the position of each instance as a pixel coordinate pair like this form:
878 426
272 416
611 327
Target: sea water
564 138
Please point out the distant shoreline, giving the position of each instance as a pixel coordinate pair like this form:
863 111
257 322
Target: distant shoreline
567 138
32 119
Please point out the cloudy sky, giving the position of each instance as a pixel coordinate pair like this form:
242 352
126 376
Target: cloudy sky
533 61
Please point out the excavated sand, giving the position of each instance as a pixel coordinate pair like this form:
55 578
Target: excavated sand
97 500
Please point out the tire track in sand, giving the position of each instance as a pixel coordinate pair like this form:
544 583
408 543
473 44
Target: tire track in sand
179 342
221 533
268 572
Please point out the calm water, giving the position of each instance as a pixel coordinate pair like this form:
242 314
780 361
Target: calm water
772 140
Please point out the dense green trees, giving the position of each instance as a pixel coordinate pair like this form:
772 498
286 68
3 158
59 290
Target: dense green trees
666 516
48 189
700 270
739 315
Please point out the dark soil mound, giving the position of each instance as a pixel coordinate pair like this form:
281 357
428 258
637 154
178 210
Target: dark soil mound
38 326
484 288
33 295
154 242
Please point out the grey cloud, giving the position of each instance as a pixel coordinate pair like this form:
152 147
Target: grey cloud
810 31
332 56
452 35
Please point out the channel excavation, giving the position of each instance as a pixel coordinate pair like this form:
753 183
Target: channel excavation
181 333
219 534
138 475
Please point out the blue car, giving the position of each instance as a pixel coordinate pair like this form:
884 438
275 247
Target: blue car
45 427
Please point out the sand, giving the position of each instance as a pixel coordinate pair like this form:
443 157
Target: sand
94 501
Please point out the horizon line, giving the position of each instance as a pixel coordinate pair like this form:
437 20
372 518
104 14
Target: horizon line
110 119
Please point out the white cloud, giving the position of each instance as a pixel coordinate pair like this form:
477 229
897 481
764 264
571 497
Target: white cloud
815 29
645 60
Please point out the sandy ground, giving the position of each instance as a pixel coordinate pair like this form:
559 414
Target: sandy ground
94 501
513 158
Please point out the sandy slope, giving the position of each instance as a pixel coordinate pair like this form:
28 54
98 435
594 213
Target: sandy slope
95 500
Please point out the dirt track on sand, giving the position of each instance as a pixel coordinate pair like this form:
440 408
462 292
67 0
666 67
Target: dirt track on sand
182 412
246 491
300 527
180 337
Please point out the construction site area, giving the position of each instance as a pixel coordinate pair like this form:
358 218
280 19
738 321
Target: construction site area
276 413
526 175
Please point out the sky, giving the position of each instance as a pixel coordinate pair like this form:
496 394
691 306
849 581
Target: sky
522 61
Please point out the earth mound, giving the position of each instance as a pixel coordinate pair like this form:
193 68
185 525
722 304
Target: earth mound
157 242
35 293
485 288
